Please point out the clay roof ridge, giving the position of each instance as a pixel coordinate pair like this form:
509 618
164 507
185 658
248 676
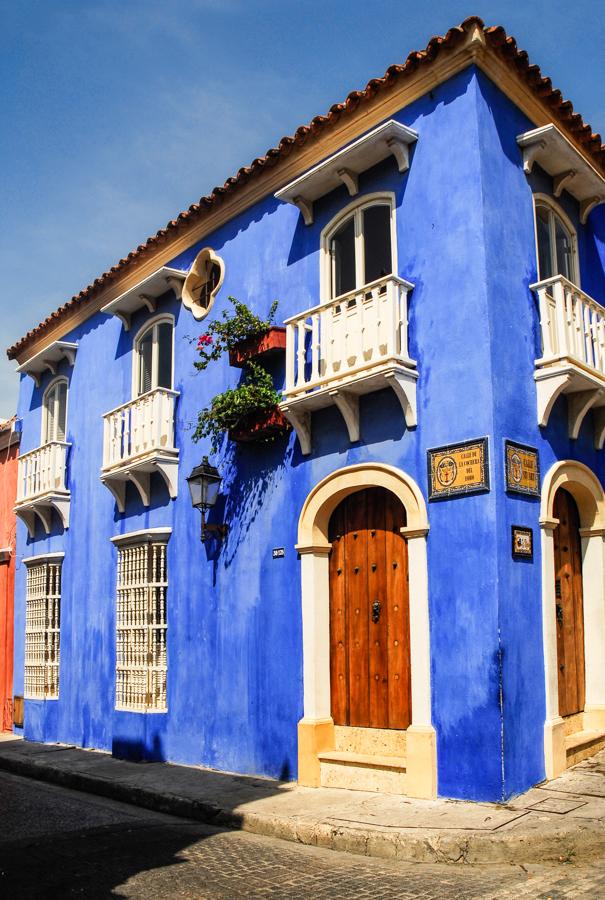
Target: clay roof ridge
495 36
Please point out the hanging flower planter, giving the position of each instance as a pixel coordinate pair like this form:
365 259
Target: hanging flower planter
262 426
263 345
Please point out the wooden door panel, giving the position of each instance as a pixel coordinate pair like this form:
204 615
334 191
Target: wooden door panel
369 660
569 605
400 696
377 594
338 620
356 569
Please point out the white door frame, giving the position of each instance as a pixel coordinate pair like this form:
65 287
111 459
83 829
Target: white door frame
316 728
587 491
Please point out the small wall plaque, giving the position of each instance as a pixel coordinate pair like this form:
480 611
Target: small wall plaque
522 468
279 552
523 542
458 469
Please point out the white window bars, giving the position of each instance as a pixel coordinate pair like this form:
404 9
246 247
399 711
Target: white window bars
141 664
42 628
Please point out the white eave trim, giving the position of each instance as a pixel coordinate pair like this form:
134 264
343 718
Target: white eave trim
146 293
49 358
570 170
148 535
42 557
344 167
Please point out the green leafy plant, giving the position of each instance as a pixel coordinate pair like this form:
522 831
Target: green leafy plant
232 328
234 407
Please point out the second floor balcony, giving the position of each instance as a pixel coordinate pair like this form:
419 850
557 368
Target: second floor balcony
572 327
138 439
42 486
346 347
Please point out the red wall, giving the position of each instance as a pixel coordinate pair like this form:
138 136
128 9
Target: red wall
8 491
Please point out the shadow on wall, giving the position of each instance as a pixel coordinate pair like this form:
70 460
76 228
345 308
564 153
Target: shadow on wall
100 846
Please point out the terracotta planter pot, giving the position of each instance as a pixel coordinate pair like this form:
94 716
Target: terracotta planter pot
268 423
266 344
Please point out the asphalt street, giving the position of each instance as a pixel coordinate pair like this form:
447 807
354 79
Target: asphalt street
61 843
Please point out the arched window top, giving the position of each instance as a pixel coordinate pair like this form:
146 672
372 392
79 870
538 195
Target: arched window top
203 282
54 411
555 242
359 245
153 356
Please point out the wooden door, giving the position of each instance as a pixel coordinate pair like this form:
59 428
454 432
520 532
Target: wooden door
569 608
369 612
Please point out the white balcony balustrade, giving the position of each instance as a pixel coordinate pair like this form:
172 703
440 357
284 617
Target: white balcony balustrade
42 485
345 347
138 439
573 355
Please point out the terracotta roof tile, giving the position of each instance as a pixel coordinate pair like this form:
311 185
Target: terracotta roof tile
496 38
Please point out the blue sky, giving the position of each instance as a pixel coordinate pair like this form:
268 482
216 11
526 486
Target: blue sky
117 114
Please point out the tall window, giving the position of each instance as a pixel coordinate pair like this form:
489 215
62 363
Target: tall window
54 416
141 627
556 244
42 628
361 248
154 357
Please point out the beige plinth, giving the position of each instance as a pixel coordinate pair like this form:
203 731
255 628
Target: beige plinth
421 762
313 737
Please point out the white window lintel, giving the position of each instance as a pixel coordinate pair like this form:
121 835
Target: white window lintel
389 139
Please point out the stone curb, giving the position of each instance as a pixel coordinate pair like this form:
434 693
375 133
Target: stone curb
561 845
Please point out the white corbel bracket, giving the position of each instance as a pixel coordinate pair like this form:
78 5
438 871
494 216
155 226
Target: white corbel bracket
306 208
587 206
301 423
401 151
44 511
350 180
404 385
530 152
578 406
561 181
549 388
348 406
598 416
150 302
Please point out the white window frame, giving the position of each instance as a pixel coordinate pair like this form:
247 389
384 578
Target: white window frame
356 208
42 656
165 318
50 389
198 272
142 581
555 210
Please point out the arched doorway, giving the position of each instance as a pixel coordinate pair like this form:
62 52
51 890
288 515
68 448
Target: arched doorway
572 522
316 730
569 607
370 672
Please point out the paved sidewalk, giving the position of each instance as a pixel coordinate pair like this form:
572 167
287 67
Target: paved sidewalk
561 821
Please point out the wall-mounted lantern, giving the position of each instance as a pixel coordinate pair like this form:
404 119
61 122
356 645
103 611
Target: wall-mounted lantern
204 483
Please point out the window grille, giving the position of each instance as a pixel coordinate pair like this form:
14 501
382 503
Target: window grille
141 627
42 629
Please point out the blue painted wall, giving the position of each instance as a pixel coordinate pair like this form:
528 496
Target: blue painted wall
465 240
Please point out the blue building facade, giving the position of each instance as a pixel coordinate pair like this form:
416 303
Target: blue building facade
473 165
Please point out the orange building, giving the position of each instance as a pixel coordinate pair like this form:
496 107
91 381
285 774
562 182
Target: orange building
9 451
